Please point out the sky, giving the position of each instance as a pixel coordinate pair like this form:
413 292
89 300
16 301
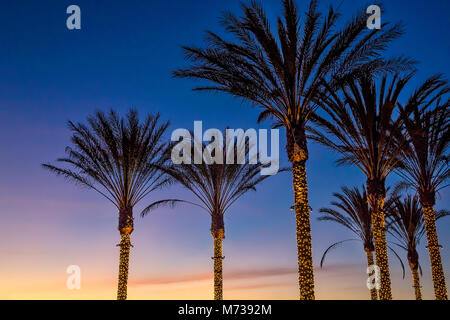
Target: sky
122 58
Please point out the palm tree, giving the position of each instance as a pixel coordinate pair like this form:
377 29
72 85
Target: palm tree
407 227
360 126
217 185
118 158
351 210
282 74
425 165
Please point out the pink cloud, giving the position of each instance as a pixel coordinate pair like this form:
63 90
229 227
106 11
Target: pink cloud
242 274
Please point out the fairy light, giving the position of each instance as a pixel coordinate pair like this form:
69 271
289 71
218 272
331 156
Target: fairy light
416 280
376 202
440 289
218 235
413 260
125 228
124 245
302 218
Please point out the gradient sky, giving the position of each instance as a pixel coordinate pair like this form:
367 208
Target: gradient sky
121 58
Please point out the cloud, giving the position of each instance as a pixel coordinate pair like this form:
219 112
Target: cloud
240 274
339 267
257 286
171 279
258 273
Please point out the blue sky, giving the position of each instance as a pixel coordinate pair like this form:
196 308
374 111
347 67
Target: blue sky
121 58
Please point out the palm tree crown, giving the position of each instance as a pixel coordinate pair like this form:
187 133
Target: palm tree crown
361 127
116 157
425 159
406 224
216 185
351 211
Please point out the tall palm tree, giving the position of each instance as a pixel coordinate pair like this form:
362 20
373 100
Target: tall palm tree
406 225
425 165
282 74
352 211
359 124
216 185
118 158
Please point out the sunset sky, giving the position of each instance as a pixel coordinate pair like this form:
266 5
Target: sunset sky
122 58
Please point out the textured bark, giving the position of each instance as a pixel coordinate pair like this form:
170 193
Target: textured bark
217 224
413 260
296 144
416 281
218 235
218 269
125 229
376 197
302 218
437 272
370 262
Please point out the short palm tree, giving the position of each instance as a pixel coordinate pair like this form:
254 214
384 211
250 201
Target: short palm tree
118 158
217 186
406 225
352 211
282 74
359 124
425 161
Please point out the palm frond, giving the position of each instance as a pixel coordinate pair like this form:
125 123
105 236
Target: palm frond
218 185
333 246
351 210
283 72
399 259
117 157
425 158
165 203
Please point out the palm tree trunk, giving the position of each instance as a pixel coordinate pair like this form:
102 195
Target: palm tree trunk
440 289
370 262
302 219
376 197
124 245
125 228
379 235
218 268
416 281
